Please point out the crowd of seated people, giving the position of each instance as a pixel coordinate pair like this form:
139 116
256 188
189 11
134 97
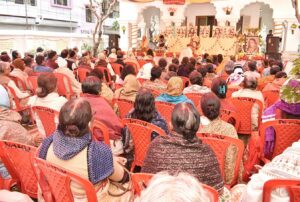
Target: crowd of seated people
144 83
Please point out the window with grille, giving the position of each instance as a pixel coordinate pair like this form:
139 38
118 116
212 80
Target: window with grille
115 10
29 2
61 2
88 15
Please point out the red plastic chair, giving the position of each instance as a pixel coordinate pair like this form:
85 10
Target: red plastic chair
64 87
141 80
124 106
231 90
82 73
195 97
98 125
230 116
17 101
270 97
159 54
19 83
140 53
142 63
32 81
165 109
141 135
134 65
243 107
18 160
155 93
185 80
117 68
141 180
292 187
287 131
117 86
219 144
106 74
55 182
47 117
169 54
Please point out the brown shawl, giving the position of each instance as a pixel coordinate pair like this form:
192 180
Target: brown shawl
175 154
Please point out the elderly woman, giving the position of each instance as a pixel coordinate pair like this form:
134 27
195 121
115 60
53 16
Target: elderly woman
129 89
132 59
71 147
5 69
155 83
185 152
63 69
219 88
249 90
196 80
85 62
103 62
11 129
144 109
288 107
284 166
103 112
18 71
128 69
46 97
105 90
181 187
174 91
210 105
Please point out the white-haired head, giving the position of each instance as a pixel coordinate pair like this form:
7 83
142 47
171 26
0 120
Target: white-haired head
178 188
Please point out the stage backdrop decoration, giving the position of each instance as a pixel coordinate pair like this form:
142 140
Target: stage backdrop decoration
177 2
224 40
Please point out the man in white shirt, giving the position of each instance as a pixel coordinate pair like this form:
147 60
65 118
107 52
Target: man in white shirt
186 52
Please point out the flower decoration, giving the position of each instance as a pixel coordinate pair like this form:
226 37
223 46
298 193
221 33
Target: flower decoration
171 9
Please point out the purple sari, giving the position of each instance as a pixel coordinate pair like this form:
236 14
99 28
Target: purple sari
270 114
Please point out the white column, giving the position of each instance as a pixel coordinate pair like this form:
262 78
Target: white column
124 42
292 39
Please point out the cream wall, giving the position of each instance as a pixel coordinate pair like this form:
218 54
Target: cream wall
194 10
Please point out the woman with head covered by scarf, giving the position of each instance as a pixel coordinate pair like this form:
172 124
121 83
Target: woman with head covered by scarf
174 92
237 77
129 90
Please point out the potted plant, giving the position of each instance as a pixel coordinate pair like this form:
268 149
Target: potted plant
172 11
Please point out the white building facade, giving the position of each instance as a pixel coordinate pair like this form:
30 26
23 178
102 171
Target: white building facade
51 24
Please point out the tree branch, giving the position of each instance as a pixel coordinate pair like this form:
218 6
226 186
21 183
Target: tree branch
111 5
92 8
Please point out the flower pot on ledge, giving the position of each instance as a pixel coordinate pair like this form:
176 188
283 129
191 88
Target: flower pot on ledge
171 13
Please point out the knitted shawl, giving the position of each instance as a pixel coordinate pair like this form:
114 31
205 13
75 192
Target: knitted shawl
175 154
100 160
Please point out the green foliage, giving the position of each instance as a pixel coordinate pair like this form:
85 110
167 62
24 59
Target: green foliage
116 25
86 47
296 69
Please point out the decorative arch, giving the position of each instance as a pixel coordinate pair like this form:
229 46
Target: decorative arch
254 2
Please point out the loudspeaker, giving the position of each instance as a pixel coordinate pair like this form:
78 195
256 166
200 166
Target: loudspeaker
273 44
